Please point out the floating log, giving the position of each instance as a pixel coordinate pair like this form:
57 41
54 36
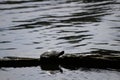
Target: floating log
90 61
69 61
12 61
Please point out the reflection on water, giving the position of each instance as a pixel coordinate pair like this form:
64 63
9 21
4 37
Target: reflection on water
30 27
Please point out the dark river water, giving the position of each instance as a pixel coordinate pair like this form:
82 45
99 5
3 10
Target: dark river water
31 27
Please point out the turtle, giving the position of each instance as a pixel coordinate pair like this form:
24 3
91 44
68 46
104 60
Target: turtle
50 56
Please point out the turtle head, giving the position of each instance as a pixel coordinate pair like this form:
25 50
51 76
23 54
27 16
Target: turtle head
61 53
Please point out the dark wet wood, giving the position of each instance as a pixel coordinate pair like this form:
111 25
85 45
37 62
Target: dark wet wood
18 62
90 61
69 61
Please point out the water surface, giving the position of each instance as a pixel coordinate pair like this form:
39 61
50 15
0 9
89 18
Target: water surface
31 27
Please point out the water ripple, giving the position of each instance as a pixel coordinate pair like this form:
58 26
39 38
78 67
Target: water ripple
59 24
31 27
5 42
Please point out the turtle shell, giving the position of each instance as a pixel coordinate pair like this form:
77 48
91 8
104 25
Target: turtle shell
50 57
52 54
